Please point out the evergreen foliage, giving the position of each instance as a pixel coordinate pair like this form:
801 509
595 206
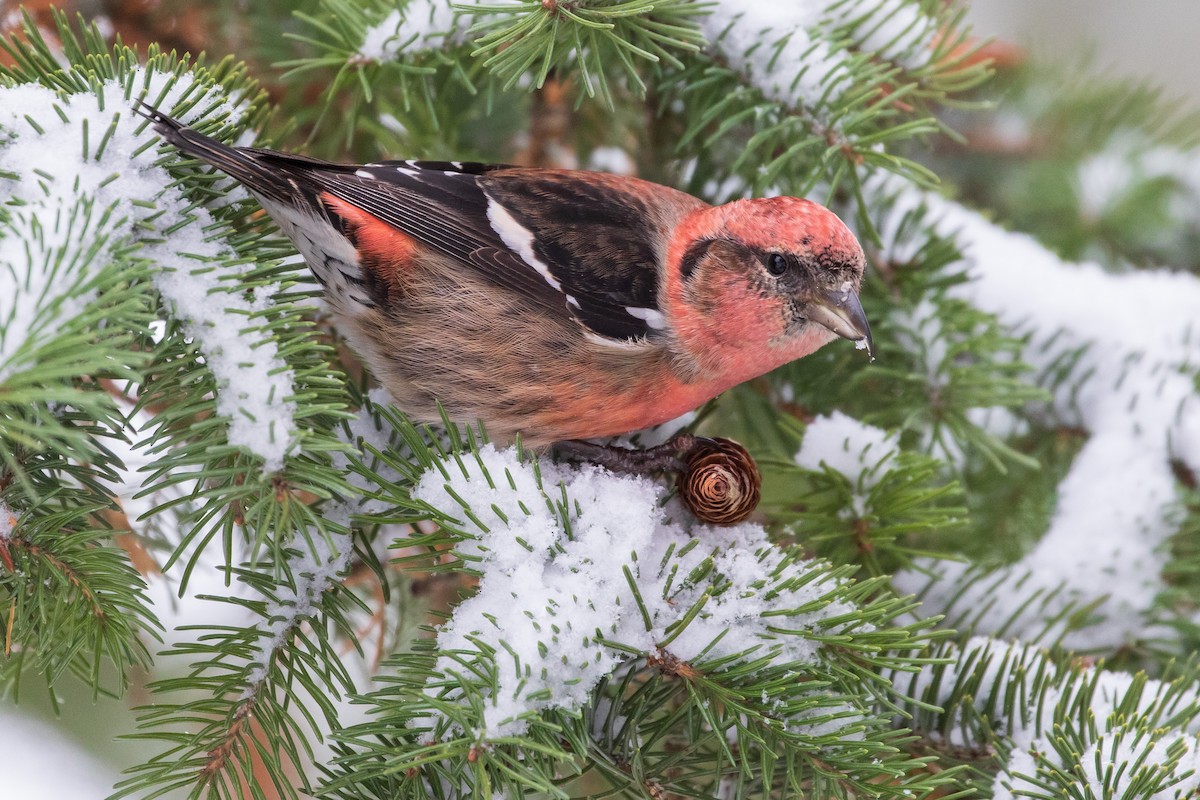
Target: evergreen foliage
394 611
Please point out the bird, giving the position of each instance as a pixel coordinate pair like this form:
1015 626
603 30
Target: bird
551 304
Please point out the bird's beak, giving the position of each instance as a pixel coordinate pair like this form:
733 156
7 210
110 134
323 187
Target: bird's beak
839 311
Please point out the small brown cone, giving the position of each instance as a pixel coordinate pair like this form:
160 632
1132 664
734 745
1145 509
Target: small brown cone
719 483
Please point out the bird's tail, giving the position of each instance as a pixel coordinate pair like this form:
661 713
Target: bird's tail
290 188
246 165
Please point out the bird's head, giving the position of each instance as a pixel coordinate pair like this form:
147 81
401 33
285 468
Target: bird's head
754 284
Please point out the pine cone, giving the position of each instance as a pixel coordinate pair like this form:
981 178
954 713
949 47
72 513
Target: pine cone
719 482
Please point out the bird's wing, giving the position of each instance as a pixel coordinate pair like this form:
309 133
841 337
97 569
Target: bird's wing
586 243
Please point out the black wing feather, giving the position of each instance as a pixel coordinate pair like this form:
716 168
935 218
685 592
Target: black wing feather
594 239
595 244
451 219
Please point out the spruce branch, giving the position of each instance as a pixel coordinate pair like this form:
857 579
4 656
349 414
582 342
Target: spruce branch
587 39
266 675
241 430
72 604
456 716
1182 574
865 500
361 44
809 102
1097 366
1058 727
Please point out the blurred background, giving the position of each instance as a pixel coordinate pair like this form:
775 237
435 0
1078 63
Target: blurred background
1154 38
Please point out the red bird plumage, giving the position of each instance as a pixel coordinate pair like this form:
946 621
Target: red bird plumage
558 304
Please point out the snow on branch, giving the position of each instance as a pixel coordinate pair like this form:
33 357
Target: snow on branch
319 567
8 522
582 570
420 25
897 30
74 231
315 569
84 191
779 49
1120 352
800 53
1062 729
255 384
852 448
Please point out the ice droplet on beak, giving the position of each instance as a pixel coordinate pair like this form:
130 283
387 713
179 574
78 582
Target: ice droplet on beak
840 311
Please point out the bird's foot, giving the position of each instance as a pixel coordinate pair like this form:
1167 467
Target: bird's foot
670 456
717 479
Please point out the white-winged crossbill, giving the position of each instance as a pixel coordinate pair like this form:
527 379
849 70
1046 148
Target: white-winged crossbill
558 304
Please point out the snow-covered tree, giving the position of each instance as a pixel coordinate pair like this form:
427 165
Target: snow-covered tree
976 564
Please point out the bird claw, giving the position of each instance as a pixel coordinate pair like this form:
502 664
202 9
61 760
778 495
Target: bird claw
671 456
716 479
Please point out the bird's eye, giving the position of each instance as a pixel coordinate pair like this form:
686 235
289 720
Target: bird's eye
777 263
